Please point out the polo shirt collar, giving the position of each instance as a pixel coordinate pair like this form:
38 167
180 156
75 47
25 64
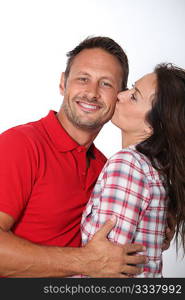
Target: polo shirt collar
62 140
57 133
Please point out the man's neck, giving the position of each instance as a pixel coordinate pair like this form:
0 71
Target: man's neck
82 137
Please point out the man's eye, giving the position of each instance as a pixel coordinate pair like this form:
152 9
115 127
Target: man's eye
83 79
104 83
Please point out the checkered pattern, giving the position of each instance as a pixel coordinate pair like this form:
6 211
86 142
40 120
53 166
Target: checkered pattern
132 190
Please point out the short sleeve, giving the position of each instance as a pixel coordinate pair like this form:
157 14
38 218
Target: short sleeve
17 172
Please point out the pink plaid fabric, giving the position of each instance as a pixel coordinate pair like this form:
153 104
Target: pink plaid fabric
132 190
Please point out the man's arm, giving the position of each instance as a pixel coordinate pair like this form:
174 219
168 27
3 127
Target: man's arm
99 258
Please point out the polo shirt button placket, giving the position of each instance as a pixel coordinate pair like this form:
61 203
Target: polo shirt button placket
82 150
83 179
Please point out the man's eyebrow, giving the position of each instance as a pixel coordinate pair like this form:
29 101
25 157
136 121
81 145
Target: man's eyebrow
83 73
137 90
111 78
108 78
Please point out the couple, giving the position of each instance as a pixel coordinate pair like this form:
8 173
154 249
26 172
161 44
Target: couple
48 171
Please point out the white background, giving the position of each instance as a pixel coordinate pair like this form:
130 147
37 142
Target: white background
36 34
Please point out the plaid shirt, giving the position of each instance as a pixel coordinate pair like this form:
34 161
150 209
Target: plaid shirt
132 190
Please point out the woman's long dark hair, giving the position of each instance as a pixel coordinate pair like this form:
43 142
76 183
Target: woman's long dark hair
167 143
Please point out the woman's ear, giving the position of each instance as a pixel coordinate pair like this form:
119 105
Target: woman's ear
148 130
62 84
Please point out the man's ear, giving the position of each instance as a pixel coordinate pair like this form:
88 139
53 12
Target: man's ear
62 84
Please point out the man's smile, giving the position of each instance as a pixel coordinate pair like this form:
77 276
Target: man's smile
88 107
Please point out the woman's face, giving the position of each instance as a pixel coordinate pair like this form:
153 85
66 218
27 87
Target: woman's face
134 104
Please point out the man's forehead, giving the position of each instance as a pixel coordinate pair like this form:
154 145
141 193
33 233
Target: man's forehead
96 60
96 57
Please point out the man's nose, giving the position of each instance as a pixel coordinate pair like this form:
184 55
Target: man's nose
93 90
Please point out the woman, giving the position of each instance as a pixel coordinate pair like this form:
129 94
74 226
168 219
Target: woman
147 177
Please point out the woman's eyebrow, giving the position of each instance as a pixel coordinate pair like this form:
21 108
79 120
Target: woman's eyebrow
137 90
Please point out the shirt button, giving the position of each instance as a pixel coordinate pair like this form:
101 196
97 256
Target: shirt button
83 173
80 149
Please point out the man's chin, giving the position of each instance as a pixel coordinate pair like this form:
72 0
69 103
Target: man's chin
87 126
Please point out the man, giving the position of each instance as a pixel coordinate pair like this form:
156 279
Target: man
48 169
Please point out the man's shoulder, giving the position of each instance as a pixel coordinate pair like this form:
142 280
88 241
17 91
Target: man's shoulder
21 134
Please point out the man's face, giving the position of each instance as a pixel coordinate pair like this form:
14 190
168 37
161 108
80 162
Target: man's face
90 91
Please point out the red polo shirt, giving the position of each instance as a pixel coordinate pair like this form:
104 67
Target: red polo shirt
44 184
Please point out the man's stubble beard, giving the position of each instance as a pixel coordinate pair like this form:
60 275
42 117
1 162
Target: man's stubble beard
77 122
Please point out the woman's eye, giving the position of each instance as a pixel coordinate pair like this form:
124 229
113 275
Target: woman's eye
132 97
